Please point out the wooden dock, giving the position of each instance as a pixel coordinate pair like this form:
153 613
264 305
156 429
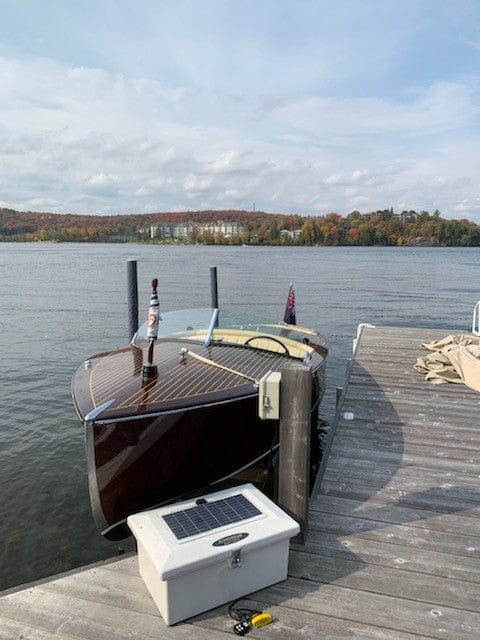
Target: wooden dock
393 551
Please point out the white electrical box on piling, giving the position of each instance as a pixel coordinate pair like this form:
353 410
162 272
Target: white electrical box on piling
269 396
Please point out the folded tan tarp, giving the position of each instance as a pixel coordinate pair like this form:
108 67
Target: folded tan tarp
456 358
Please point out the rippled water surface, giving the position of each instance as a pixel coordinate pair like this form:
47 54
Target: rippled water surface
61 303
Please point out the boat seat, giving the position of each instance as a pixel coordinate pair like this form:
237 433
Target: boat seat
295 349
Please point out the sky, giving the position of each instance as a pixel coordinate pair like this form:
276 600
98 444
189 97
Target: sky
309 107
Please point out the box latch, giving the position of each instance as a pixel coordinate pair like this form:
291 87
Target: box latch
236 561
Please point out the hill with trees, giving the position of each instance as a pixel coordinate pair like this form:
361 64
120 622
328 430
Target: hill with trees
386 228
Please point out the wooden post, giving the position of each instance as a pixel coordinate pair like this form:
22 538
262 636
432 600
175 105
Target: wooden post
132 297
294 465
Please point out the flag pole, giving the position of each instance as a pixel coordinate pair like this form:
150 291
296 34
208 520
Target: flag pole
289 317
290 287
149 369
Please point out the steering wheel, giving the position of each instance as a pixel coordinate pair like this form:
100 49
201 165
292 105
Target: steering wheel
287 352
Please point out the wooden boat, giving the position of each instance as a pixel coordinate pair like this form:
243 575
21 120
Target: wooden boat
194 423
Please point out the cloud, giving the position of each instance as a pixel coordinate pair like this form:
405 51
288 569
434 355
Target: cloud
237 196
87 139
344 179
462 207
101 180
104 185
225 162
442 106
197 184
155 186
43 95
471 43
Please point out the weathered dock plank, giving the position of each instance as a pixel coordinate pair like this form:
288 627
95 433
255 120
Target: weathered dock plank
398 510
465 523
356 574
386 554
378 610
393 551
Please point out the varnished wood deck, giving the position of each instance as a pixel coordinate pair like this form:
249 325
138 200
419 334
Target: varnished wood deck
393 551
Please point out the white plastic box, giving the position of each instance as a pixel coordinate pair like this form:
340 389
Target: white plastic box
189 570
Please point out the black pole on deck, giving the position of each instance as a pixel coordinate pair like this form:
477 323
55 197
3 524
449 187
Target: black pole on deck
132 298
214 289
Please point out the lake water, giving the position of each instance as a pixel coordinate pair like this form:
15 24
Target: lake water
61 303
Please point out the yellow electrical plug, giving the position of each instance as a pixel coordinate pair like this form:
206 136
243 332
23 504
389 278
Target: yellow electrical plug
261 619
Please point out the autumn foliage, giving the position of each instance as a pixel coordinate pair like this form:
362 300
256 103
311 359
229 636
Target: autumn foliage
385 228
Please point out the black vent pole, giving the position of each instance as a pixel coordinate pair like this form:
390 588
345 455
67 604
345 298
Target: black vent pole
132 298
214 289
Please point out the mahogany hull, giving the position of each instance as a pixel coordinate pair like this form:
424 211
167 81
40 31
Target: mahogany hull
154 440
142 463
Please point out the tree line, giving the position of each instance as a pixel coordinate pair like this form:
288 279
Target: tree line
386 228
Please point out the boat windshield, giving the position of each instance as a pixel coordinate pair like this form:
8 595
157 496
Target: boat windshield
192 320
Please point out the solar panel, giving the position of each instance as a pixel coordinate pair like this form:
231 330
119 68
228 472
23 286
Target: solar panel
210 515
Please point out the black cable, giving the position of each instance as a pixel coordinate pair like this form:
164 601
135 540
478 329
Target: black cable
269 462
240 613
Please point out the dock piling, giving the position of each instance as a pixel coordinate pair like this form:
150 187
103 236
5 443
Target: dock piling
294 466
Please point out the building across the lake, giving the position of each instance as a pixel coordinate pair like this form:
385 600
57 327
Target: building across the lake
293 235
177 230
172 230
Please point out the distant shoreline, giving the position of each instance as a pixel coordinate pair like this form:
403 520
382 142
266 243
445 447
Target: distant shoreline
238 228
239 246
